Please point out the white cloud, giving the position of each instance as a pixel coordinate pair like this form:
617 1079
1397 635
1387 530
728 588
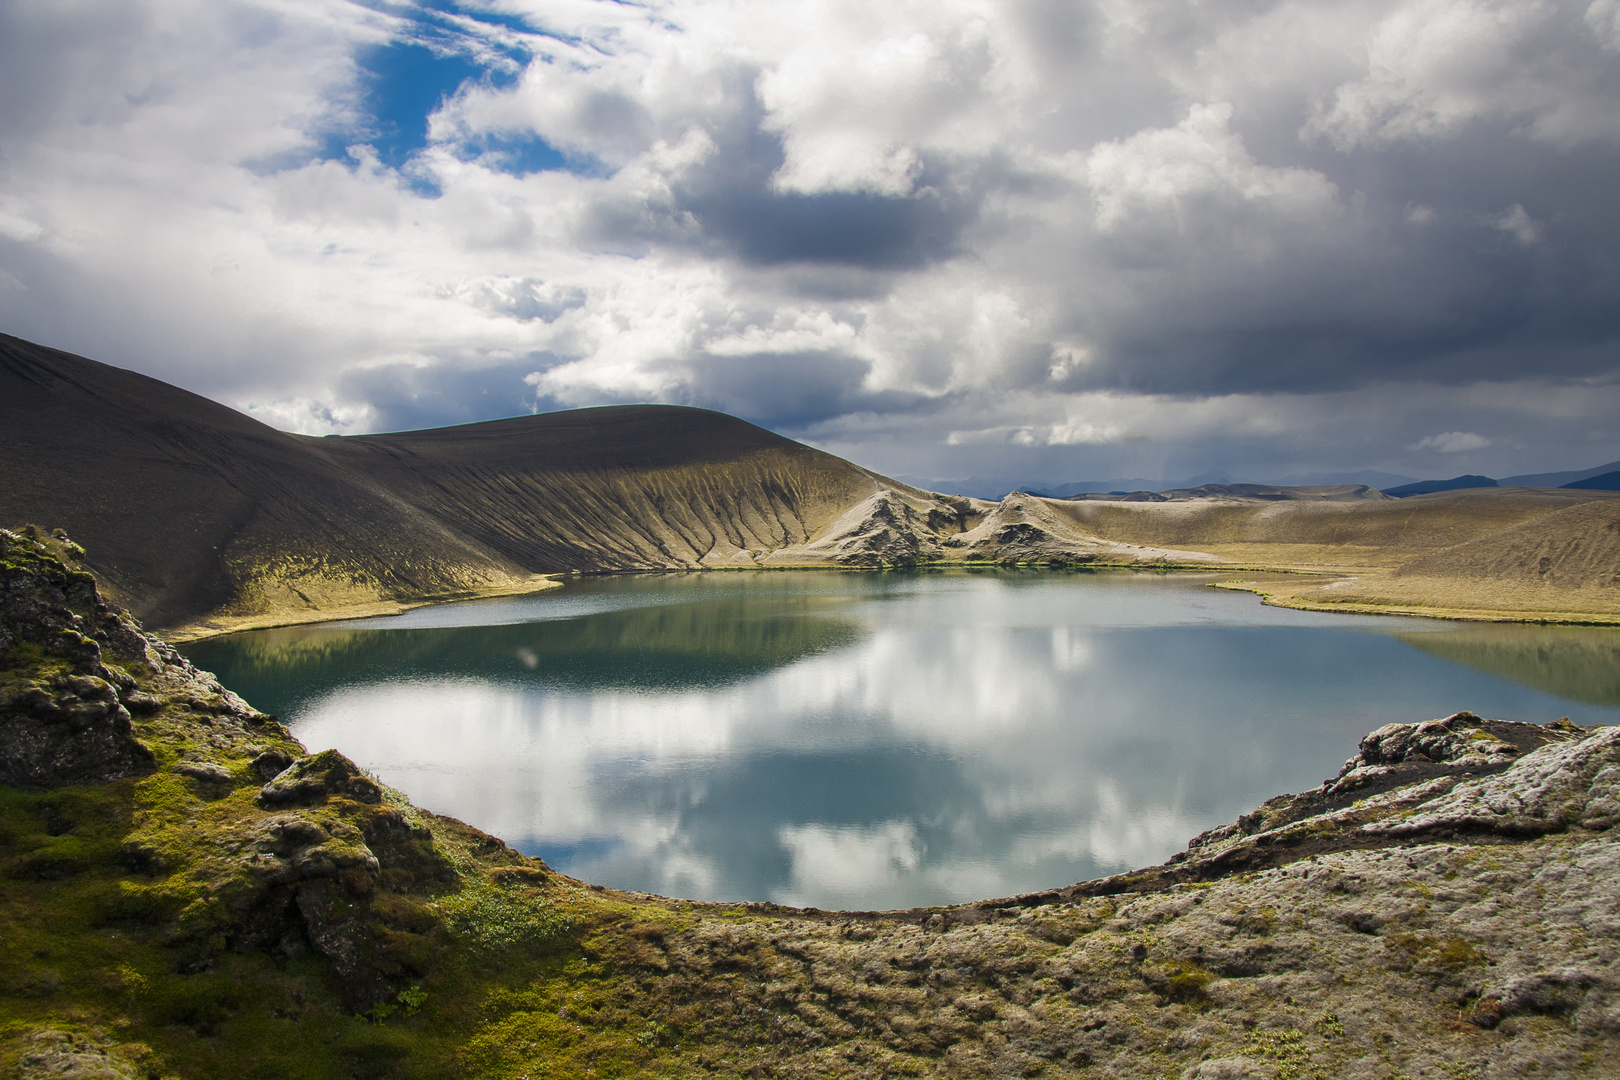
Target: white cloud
1161 171
1103 227
1452 442
1517 223
1435 66
1603 17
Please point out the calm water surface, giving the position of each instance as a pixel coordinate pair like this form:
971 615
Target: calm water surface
861 740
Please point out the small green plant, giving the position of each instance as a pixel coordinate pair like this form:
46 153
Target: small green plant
1180 981
1287 1048
409 1002
412 1000
494 920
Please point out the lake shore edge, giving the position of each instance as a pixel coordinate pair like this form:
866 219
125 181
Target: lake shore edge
1306 578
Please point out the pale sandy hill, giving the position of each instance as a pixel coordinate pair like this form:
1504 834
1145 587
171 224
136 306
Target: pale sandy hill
1361 534
1564 564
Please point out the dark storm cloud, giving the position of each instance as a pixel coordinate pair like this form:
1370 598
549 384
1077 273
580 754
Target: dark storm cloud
743 215
845 229
1473 262
740 213
794 392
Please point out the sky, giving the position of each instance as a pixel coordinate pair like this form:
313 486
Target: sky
1051 240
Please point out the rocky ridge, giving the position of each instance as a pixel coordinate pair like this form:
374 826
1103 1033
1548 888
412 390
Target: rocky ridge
278 850
1445 906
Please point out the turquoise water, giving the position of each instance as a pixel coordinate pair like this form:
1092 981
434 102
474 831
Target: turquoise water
875 740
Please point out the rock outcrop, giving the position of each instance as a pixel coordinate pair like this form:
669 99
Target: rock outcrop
281 851
1030 529
61 717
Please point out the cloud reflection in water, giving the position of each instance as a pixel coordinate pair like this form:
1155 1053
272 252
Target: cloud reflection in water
866 741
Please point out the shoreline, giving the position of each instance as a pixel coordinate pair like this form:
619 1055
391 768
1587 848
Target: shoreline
1541 617
222 626
225 625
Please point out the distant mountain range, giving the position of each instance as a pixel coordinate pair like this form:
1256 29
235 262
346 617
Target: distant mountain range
1598 478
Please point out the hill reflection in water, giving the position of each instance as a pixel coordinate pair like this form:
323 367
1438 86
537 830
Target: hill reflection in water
1578 662
861 740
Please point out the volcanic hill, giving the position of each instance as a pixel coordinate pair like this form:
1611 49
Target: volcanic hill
202 520
197 514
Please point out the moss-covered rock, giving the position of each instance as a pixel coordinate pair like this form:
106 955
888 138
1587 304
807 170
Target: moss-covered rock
61 721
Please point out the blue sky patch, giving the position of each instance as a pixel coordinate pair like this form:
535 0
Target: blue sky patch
522 156
405 84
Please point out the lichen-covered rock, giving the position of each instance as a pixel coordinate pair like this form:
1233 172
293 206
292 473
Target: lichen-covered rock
45 600
70 729
50 1054
61 720
312 780
1574 783
1398 766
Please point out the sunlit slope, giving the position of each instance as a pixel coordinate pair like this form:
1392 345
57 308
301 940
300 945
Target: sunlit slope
623 487
1562 564
1479 553
194 509
1367 535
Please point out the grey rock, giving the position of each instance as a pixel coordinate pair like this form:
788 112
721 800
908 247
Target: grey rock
64 1055
71 730
206 773
1574 783
271 763
312 780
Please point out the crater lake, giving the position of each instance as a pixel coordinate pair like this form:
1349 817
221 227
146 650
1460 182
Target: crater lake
867 740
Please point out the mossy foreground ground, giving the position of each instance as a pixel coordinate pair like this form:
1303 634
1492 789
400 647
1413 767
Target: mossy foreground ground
185 892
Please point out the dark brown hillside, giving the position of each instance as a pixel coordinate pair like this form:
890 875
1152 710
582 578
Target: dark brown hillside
624 487
192 507
196 512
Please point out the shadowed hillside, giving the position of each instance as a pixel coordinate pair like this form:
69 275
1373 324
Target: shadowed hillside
192 507
629 487
197 511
